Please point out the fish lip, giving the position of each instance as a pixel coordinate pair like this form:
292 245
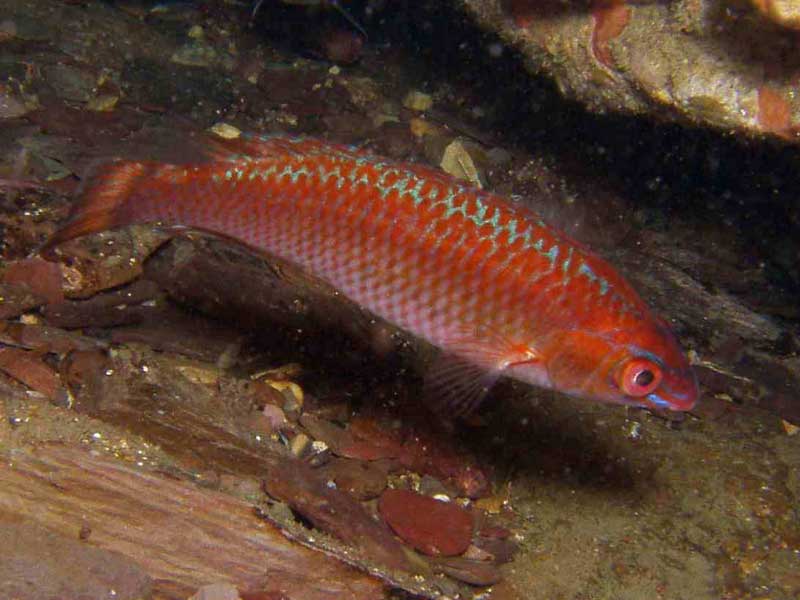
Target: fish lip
681 397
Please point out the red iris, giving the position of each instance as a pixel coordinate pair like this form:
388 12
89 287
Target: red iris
639 377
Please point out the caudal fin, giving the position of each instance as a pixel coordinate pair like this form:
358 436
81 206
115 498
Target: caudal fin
102 205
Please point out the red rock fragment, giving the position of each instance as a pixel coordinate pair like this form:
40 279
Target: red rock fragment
431 526
372 441
17 299
473 572
39 276
29 369
45 339
364 480
774 112
334 512
427 453
610 19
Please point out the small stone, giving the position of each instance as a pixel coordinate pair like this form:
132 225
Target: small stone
291 391
11 105
430 526
28 368
196 32
458 162
195 55
103 102
225 131
41 277
420 127
789 428
419 101
299 444
363 480
472 572
275 417
475 553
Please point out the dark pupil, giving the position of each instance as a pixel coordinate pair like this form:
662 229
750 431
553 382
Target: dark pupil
644 378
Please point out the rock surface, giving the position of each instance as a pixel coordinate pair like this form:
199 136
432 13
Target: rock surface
712 63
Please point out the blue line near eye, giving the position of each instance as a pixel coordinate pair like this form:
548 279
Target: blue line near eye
639 353
657 400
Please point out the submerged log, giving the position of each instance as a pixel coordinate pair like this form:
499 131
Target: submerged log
180 535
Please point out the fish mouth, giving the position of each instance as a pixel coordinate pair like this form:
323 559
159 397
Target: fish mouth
678 393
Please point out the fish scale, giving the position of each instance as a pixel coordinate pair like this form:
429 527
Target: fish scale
481 277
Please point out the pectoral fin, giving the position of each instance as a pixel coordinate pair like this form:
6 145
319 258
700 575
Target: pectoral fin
462 375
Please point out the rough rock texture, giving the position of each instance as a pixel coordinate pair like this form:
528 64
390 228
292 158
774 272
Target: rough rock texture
709 62
36 568
179 534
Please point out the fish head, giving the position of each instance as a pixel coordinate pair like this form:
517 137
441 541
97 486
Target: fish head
644 366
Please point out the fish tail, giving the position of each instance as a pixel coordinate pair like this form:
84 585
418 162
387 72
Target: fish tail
104 203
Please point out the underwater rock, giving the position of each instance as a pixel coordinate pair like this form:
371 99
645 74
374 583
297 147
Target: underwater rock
29 369
431 526
12 106
180 535
364 480
474 572
17 299
334 512
702 62
42 278
69 82
783 12
37 567
417 100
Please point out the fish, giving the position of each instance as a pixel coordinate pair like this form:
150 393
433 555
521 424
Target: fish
498 290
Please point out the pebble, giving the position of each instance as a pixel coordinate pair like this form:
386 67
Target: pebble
225 131
419 101
11 106
103 102
275 418
420 127
196 32
195 55
363 480
292 392
299 444
458 162
472 572
430 526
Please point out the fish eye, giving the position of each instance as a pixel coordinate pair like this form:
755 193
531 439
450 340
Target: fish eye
639 377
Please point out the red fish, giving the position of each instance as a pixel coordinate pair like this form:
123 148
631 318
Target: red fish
484 279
